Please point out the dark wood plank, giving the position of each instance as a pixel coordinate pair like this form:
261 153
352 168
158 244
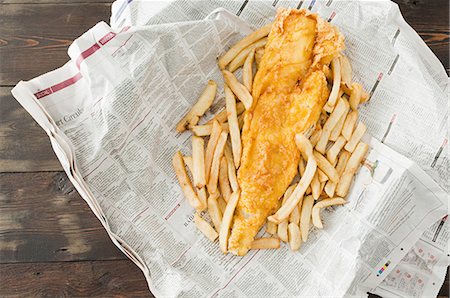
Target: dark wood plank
73 279
34 38
430 19
43 218
24 146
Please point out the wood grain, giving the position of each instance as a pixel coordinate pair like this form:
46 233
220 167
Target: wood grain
43 218
34 38
73 279
431 20
24 146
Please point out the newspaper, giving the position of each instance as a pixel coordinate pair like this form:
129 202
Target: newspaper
400 130
422 271
110 114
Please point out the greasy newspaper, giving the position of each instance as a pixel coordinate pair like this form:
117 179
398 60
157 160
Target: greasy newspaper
111 111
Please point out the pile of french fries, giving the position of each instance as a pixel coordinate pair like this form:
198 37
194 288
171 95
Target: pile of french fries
331 152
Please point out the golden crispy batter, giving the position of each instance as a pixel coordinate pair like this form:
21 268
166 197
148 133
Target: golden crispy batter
289 92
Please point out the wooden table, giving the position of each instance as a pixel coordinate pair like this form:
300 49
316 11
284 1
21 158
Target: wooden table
50 242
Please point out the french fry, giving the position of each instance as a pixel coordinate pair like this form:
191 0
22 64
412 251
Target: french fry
304 145
241 121
189 163
224 183
315 137
205 130
349 124
306 148
315 214
231 168
265 243
364 96
346 70
240 58
198 161
222 204
271 228
212 143
215 165
356 137
227 218
214 211
305 217
288 192
321 187
326 167
204 227
322 176
259 53
247 71
337 113
282 231
242 44
330 187
294 217
238 89
351 167
283 226
222 115
301 170
332 99
202 196
355 96
295 239
204 102
346 88
235 133
310 131
336 131
298 193
185 183
301 166
201 193
334 150
315 187
341 93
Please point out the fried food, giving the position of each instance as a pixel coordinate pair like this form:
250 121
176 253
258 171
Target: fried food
289 92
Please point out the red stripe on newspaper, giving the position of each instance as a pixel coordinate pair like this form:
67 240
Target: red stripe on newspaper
95 47
86 53
105 39
124 29
67 82
58 86
91 50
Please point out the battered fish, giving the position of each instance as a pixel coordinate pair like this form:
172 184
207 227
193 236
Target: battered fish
289 92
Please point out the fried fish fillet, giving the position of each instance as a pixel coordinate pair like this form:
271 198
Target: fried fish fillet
289 92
